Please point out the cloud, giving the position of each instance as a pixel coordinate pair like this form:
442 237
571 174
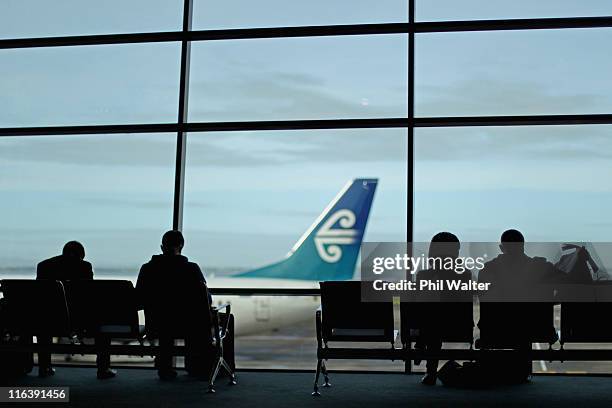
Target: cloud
498 96
545 143
284 96
124 201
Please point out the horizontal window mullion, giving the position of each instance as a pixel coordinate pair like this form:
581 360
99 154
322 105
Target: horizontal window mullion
265 291
419 122
513 24
209 127
99 39
209 35
518 120
312 31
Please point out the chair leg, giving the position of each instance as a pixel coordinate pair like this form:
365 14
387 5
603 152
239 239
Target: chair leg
229 371
315 392
213 376
326 384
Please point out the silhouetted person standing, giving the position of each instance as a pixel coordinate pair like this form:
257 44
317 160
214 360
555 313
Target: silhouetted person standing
441 310
172 291
69 266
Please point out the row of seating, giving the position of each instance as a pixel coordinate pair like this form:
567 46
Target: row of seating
96 308
345 317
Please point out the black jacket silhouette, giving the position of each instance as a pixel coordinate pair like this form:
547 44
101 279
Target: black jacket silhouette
520 278
64 268
172 291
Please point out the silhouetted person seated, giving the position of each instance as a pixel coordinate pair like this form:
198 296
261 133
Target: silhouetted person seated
440 311
69 266
519 298
515 276
172 291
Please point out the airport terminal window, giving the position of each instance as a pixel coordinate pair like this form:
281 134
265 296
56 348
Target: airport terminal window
249 195
216 14
113 193
110 84
513 73
43 18
299 78
433 10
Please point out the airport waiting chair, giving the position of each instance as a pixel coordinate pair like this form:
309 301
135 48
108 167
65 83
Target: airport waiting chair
36 308
584 315
188 315
223 324
344 317
451 322
514 326
510 325
109 308
106 308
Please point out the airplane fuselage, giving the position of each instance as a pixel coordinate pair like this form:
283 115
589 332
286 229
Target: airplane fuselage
256 314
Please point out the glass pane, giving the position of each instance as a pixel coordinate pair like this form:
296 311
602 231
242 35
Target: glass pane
269 13
249 197
43 18
513 73
116 84
113 193
550 182
299 78
430 10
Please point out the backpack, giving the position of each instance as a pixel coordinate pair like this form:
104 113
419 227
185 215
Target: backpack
484 373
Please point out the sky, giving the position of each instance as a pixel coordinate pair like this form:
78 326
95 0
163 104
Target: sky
250 195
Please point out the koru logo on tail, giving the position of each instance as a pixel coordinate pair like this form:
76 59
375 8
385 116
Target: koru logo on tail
328 239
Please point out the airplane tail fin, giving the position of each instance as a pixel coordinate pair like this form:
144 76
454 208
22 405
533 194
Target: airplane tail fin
328 250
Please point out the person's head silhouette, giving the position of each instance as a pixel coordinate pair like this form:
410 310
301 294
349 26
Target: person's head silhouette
444 245
74 249
172 243
512 243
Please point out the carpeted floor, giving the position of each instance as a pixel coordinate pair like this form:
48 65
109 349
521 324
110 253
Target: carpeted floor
141 388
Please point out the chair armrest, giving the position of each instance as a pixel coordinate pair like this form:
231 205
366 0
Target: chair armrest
220 331
226 306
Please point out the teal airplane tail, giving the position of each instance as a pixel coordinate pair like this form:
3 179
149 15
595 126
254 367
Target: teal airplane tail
328 250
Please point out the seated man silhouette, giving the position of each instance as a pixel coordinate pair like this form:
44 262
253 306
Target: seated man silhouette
173 293
68 266
442 311
513 274
519 298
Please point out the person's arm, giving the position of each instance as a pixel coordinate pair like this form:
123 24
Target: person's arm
551 274
483 275
202 279
89 275
40 271
141 288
